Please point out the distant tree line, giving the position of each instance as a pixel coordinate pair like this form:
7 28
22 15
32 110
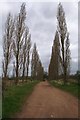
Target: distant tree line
37 69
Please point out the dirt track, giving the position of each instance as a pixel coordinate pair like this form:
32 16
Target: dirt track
49 102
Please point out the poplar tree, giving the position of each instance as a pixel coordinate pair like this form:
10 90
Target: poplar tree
7 48
40 70
55 62
18 39
28 54
36 65
67 56
64 41
34 62
7 44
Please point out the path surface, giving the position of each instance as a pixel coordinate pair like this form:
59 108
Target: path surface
47 101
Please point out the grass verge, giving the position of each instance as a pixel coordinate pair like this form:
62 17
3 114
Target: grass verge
14 97
72 88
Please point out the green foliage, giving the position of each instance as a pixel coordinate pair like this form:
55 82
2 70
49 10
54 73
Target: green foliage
54 65
65 54
14 98
72 88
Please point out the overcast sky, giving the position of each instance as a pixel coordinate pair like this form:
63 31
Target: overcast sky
42 23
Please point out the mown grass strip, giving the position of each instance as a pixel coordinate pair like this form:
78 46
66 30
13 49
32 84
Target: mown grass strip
14 98
72 88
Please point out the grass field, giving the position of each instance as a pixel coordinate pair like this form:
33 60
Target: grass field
14 98
72 88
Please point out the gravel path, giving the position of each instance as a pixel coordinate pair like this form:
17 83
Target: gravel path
47 101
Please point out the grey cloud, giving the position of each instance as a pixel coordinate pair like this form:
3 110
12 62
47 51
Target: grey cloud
41 20
74 67
49 10
45 27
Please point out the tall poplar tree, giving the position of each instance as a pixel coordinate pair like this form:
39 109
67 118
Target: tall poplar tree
34 61
7 48
26 54
40 70
7 44
55 62
36 65
64 41
18 40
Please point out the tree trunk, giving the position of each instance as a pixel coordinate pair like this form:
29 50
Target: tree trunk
16 81
23 72
27 70
65 74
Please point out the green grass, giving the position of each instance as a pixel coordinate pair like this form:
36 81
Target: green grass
14 98
72 88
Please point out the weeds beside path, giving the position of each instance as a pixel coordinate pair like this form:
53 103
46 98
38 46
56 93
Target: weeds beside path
14 98
72 88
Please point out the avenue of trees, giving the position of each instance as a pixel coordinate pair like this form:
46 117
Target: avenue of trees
17 49
60 58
